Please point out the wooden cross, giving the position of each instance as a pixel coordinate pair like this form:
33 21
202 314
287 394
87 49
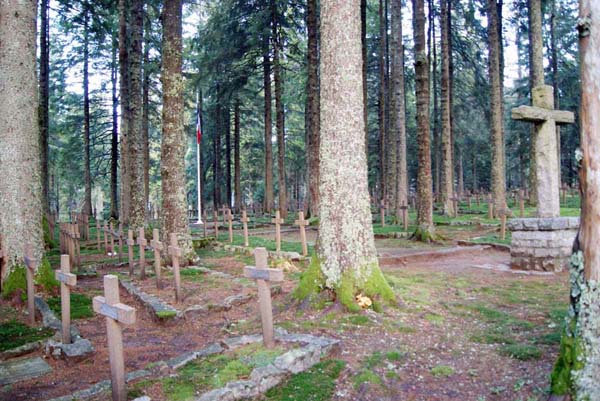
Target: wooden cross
245 224
503 215
77 245
404 209
302 224
230 222
263 276
175 252
31 265
216 223
67 280
130 245
490 207
116 313
105 231
545 118
157 247
141 241
98 234
277 221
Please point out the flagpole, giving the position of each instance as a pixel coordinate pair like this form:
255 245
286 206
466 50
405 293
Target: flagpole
199 122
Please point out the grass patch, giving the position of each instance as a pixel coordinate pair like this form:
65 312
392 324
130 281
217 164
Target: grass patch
434 318
522 352
492 336
316 384
366 376
442 371
81 306
13 334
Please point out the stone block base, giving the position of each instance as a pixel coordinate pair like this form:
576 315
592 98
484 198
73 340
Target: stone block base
543 244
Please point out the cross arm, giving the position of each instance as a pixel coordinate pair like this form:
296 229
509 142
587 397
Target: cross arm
68 278
538 114
120 312
263 274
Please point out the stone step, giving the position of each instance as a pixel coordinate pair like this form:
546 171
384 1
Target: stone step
22 369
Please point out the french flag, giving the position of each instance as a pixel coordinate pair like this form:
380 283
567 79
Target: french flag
198 127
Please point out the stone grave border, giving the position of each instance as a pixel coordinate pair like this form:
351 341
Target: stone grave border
313 350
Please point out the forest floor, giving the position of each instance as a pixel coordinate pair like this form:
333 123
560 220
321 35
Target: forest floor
464 327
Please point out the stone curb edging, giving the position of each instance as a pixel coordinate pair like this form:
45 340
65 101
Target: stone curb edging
157 307
499 247
261 379
295 256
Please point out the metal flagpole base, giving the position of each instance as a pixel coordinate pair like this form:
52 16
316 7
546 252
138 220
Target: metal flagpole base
199 222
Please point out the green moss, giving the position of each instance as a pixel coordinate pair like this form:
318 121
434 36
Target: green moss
13 334
81 306
434 318
442 371
522 352
366 376
424 234
15 281
316 384
568 361
311 281
45 277
166 314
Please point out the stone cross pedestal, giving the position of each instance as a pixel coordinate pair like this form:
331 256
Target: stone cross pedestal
302 224
141 241
175 252
263 276
157 247
30 267
245 224
116 314
130 245
67 280
545 118
278 221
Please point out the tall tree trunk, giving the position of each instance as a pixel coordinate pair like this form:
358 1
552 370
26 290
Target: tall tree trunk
496 122
137 210
383 154
447 188
87 200
217 152
398 106
44 96
390 140
313 111
346 252
146 111
125 109
536 65
554 65
174 141
114 149
577 369
20 175
228 155
437 142
268 131
236 159
280 117
425 228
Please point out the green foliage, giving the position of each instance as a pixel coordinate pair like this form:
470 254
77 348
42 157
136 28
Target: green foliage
442 371
366 376
81 306
522 352
311 281
49 242
316 384
13 334
45 277
16 280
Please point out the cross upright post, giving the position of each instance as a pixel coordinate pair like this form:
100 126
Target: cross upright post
302 223
30 266
67 280
277 221
97 235
216 223
245 225
230 222
157 246
120 233
130 245
141 241
175 252
112 238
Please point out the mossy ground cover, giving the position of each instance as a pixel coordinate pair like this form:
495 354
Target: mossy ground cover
81 306
13 334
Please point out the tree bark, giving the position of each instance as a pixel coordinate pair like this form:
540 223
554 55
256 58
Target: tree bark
44 96
137 207
577 369
383 150
146 111
365 60
425 228
114 149
268 131
447 187
280 117
87 200
217 152
496 121
346 249
125 109
20 175
228 155
313 110
554 66
237 167
174 141
398 107
437 142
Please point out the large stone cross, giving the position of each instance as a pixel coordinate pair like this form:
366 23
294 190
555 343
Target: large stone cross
263 275
302 223
116 313
67 280
545 118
